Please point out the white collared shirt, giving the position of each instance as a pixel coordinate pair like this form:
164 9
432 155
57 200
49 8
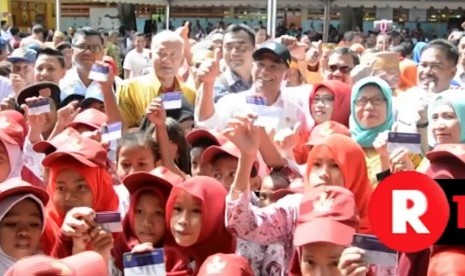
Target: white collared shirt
72 84
291 100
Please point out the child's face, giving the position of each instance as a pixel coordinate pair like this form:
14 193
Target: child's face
5 167
71 191
134 159
325 171
149 218
197 168
320 258
224 170
20 230
266 190
186 219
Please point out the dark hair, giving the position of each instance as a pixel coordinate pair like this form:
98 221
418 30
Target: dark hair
37 29
3 23
253 173
449 49
408 47
176 135
347 51
138 139
235 28
53 53
138 34
5 68
203 143
87 31
399 49
349 36
14 31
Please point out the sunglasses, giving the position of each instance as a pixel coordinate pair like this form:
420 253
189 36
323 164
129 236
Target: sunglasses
343 69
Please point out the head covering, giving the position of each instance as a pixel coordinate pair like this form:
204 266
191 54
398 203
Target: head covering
275 48
366 136
447 261
226 265
386 60
457 101
97 178
325 129
447 161
159 182
34 91
213 238
350 159
13 191
81 264
408 74
22 55
47 147
341 92
199 134
416 54
94 95
13 131
91 118
332 210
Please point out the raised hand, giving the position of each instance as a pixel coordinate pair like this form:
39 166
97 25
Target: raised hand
8 103
209 69
244 134
102 242
312 56
156 113
183 31
142 248
66 114
36 122
77 222
351 262
380 143
400 161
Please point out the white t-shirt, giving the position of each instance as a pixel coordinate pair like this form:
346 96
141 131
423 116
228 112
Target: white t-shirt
137 62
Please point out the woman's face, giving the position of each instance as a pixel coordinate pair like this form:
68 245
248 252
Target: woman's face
445 125
71 191
186 219
320 258
371 107
5 167
20 229
324 170
322 105
149 218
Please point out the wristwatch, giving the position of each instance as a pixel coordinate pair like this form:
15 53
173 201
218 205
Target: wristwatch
422 125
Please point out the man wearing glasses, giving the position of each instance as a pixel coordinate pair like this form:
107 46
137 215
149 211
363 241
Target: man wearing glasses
87 49
340 64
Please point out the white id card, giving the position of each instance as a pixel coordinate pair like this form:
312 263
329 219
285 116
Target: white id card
144 264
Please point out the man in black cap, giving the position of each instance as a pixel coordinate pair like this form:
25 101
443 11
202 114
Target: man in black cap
269 69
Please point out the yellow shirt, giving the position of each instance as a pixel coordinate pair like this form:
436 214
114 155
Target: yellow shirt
135 95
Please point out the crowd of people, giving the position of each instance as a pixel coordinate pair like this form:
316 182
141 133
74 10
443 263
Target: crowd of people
265 166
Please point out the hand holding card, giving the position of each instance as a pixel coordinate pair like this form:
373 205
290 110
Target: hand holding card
172 100
109 221
376 253
409 141
152 263
99 73
38 106
112 132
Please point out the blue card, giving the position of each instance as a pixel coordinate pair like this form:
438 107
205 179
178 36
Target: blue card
137 264
172 100
99 73
39 106
256 100
112 132
409 141
110 221
376 253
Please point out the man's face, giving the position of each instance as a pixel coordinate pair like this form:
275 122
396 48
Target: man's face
140 42
167 58
48 68
268 72
382 42
260 36
68 55
25 70
339 68
371 39
435 68
87 50
237 50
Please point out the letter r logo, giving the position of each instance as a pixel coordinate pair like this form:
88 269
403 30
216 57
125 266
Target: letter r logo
401 212
403 215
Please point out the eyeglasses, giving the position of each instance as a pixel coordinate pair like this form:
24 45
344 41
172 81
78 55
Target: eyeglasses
324 99
343 69
375 101
91 48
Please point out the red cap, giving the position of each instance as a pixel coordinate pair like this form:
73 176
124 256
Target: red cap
13 128
447 150
87 151
225 265
16 185
50 146
325 129
331 210
81 264
90 117
159 176
195 135
228 148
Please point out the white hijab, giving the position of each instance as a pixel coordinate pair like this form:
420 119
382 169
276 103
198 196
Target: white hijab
5 206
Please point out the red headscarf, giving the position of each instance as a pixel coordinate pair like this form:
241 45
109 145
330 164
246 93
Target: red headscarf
128 239
350 159
213 238
447 161
99 182
341 91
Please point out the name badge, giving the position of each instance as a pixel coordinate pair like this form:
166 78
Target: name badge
137 264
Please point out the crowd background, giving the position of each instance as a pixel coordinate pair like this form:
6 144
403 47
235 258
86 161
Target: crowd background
221 193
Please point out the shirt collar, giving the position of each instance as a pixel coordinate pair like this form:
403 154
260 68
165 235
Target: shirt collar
232 77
